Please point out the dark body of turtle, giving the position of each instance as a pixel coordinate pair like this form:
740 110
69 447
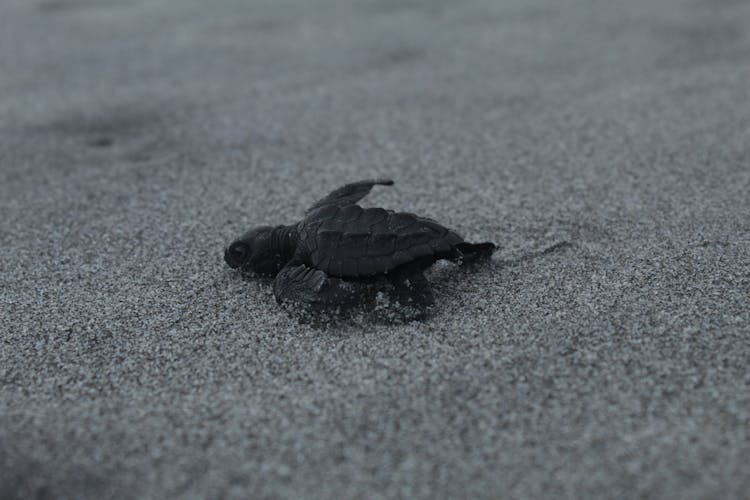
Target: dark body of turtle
321 260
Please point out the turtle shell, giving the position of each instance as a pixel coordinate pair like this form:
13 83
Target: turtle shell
352 241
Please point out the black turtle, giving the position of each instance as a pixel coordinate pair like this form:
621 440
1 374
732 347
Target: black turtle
320 260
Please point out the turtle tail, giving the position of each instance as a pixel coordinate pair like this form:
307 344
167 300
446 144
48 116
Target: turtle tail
469 252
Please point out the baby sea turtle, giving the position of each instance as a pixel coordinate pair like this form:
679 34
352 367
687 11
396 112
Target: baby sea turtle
321 260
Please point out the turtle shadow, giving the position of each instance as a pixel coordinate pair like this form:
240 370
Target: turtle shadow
383 305
377 304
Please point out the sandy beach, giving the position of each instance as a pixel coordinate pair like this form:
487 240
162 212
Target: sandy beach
604 146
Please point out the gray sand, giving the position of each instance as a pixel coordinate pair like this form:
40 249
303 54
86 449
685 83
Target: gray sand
137 138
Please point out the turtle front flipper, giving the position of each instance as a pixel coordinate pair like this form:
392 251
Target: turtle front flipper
313 288
349 194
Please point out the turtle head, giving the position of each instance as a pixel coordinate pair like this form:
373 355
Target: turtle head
254 251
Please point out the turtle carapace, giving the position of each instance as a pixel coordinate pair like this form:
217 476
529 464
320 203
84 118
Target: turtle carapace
319 260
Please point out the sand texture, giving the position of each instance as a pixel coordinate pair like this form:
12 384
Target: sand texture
605 146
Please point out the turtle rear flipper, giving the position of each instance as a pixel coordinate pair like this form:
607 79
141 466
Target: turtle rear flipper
412 288
470 252
349 194
411 294
304 285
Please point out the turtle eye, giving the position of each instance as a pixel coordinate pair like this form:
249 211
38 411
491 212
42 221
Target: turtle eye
237 254
239 251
